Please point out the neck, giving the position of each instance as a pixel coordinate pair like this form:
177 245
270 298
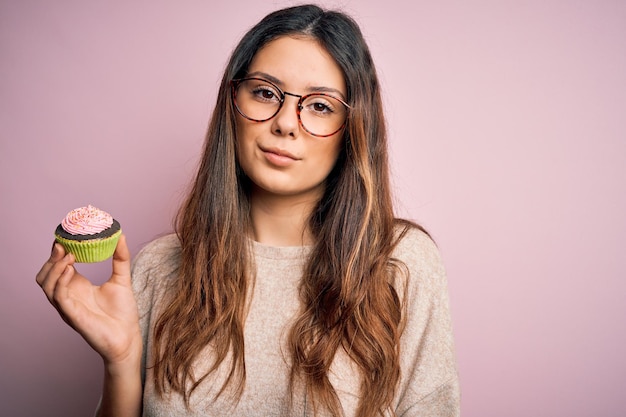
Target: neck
281 220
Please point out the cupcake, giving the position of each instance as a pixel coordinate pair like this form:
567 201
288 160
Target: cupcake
89 233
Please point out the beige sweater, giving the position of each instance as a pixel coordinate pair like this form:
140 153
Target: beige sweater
429 383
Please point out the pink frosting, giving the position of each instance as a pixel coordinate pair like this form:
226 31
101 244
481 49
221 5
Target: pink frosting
86 221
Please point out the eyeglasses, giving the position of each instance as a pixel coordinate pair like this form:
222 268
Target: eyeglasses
259 100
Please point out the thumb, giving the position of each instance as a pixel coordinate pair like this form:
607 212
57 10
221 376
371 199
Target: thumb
121 263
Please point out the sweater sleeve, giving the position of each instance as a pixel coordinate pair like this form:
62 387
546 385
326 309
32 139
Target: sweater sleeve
429 384
152 271
147 270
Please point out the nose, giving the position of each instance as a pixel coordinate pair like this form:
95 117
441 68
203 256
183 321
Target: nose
286 123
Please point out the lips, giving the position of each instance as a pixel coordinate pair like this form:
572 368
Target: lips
280 152
279 158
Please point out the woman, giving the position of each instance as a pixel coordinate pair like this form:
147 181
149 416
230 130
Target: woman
289 288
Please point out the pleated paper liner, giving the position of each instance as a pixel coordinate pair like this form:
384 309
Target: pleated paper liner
93 250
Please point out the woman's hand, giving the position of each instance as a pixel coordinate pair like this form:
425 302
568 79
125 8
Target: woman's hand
105 316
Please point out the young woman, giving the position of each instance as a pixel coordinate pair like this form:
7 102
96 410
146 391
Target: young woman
289 287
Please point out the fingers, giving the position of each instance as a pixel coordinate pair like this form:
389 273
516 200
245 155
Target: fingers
60 288
58 252
121 263
56 275
57 289
60 291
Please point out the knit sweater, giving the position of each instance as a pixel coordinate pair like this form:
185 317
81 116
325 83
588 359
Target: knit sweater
428 384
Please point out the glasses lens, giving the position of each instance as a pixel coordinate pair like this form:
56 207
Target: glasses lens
322 114
260 100
257 100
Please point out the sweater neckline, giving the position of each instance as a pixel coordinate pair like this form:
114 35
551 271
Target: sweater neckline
280 252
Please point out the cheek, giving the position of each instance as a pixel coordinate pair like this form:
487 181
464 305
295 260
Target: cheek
325 160
331 153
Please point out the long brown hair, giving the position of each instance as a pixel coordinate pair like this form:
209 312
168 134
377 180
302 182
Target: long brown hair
348 298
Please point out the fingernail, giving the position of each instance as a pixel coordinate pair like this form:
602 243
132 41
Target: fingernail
54 248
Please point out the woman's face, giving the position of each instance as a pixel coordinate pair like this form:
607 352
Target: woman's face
278 155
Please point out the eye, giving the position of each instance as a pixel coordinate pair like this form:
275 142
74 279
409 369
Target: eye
320 105
265 93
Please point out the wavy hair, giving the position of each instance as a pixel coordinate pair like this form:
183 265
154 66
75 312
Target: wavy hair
348 300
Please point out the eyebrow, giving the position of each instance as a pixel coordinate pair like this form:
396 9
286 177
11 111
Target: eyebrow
313 89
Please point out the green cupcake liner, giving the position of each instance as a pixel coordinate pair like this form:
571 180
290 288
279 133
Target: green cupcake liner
93 250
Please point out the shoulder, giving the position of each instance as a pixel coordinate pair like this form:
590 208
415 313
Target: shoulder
416 248
156 262
414 242
429 381
156 250
417 254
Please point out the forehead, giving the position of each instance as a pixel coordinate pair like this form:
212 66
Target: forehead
298 63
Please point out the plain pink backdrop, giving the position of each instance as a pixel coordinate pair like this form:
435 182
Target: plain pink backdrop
508 131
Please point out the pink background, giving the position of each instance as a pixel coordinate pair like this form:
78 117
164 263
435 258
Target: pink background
508 131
